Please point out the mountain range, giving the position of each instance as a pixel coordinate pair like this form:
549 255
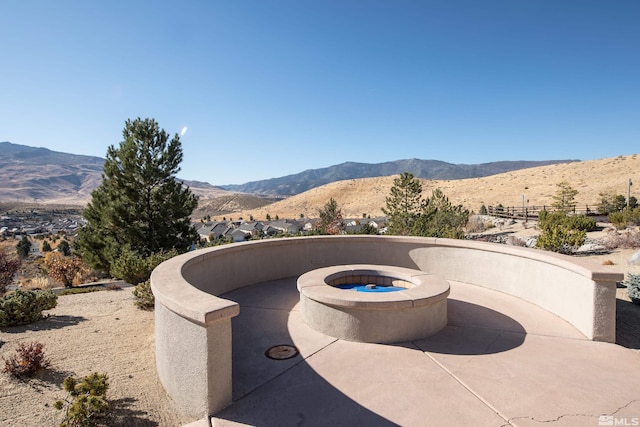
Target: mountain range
36 174
291 185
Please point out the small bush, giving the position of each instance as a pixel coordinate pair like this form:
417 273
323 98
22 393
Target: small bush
113 287
625 217
86 402
633 287
627 240
73 291
478 224
36 283
608 262
134 268
28 359
24 307
560 232
144 296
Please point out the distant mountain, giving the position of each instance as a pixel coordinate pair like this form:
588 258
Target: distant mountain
428 169
36 174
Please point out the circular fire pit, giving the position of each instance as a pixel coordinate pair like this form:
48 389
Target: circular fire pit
415 308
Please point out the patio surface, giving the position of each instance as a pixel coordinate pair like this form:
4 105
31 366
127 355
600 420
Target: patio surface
500 361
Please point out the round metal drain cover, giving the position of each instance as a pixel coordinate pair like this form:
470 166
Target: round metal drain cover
281 352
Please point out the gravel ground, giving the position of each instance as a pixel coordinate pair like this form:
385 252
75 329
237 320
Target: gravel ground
95 332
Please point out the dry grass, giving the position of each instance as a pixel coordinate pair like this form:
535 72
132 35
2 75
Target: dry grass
367 196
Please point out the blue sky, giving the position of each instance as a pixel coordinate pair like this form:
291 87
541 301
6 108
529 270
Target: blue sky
271 88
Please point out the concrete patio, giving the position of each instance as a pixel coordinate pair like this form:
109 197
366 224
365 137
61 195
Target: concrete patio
500 361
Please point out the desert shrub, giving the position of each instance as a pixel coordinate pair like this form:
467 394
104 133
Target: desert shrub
478 224
86 402
581 222
628 239
8 268
625 217
135 268
608 262
633 287
144 296
28 359
35 283
63 269
24 307
73 291
516 241
483 210
558 233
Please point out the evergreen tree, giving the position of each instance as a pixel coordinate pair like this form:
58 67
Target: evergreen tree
439 218
563 200
65 248
330 218
140 205
23 247
404 204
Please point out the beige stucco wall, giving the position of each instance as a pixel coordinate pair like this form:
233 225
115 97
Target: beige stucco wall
193 332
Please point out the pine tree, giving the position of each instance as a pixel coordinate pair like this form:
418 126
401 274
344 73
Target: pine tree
404 204
140 204
439 218
330 218
23 247
564 199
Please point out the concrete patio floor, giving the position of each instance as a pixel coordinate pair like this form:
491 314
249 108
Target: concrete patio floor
500 361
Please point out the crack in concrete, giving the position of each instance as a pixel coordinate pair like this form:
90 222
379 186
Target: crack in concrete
553 420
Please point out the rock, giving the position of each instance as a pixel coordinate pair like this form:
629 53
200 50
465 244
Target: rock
635 258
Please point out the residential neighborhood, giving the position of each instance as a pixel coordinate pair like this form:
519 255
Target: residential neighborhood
238 231
35 222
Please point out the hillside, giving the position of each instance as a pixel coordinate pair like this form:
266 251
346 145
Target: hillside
367 195
291 185
40 175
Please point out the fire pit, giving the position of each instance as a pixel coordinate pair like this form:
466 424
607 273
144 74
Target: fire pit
373 303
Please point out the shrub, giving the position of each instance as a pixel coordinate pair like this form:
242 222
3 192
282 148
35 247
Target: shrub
144 296
63 269
478 224
28 359
113 287
559 233
633 287
8 268
86 401
73 291
134 268
24 307
623 218
628 239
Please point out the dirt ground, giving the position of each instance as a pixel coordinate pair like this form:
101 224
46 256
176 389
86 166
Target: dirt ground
104 332
95 332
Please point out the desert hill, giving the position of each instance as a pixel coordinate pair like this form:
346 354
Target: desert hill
367 195
291 185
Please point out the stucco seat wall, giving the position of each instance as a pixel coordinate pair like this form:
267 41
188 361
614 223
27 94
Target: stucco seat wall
186 289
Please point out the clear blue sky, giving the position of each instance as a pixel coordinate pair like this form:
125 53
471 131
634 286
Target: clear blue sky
271 88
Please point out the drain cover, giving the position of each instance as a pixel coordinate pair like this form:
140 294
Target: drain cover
281 352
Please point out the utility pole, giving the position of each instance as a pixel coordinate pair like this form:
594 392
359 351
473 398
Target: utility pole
629 192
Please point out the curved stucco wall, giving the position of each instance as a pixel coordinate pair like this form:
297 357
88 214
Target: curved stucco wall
193 325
